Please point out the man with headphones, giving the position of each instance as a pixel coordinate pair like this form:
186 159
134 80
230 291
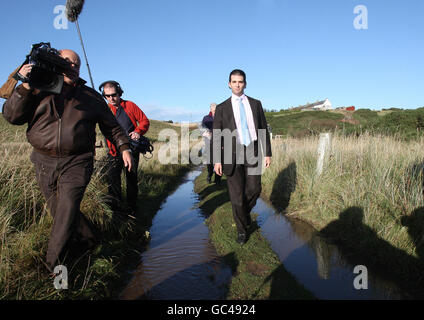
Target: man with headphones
135 124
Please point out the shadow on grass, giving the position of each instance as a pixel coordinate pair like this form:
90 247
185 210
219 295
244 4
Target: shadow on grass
217 193
362 246
416 174
415 224
284 186
280 280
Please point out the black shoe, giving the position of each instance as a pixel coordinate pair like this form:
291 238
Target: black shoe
209 179
241 238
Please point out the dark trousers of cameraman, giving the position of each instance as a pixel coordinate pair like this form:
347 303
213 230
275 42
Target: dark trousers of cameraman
115 167
63 182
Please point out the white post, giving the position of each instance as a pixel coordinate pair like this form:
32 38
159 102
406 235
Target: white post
324 150
284 147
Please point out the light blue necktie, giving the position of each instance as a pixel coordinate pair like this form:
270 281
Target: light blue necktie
244 126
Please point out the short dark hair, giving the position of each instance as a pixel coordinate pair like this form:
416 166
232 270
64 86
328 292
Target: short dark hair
237 72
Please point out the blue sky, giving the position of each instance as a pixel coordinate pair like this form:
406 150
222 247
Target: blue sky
173 57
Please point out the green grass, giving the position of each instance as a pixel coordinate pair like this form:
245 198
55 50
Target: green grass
257 271
365 116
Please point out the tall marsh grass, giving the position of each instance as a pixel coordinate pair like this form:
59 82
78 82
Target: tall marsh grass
22 209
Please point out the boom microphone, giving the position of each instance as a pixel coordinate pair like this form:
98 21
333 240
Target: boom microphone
73 9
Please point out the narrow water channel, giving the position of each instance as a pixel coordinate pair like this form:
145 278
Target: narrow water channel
181 262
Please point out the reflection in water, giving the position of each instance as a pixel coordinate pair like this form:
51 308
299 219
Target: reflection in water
180 262
316 263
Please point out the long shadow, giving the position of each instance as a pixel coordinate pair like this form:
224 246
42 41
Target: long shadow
209 206
285 287
359 243
416 172
284 186
415 224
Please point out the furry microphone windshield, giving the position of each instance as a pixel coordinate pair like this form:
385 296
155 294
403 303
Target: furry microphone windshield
73 9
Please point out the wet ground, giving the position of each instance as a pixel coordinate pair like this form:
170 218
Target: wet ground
181 262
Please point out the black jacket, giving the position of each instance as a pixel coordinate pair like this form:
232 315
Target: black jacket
224 119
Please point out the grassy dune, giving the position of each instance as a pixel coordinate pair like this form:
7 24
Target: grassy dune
369 198
25 224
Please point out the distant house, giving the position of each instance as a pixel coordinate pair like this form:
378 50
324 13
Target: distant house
319 105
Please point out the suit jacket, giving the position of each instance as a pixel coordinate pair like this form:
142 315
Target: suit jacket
224 119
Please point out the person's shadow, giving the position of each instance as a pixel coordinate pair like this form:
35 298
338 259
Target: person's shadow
209 206
285 286
415 224
284 186
357 241
416 172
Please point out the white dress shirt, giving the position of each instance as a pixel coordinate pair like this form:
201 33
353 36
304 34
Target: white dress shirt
249 116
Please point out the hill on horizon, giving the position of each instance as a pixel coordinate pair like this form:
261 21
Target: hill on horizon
407 124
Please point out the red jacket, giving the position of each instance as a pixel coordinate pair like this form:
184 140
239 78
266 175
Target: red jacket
136 116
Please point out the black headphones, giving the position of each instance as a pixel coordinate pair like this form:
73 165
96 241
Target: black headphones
119 90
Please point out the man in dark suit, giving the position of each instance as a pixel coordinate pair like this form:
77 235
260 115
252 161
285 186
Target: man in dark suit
240 142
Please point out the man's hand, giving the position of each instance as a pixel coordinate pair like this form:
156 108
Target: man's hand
134 135
128 159
267 162
24 72
218 169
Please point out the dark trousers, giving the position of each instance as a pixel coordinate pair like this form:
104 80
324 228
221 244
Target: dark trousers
244 190
115 167
63 182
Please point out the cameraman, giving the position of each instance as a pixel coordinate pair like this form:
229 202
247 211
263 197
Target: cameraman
135 124
61 129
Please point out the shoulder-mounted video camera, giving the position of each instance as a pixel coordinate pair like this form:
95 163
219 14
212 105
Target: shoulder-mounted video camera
47 72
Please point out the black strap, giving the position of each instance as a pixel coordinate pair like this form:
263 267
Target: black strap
124 120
